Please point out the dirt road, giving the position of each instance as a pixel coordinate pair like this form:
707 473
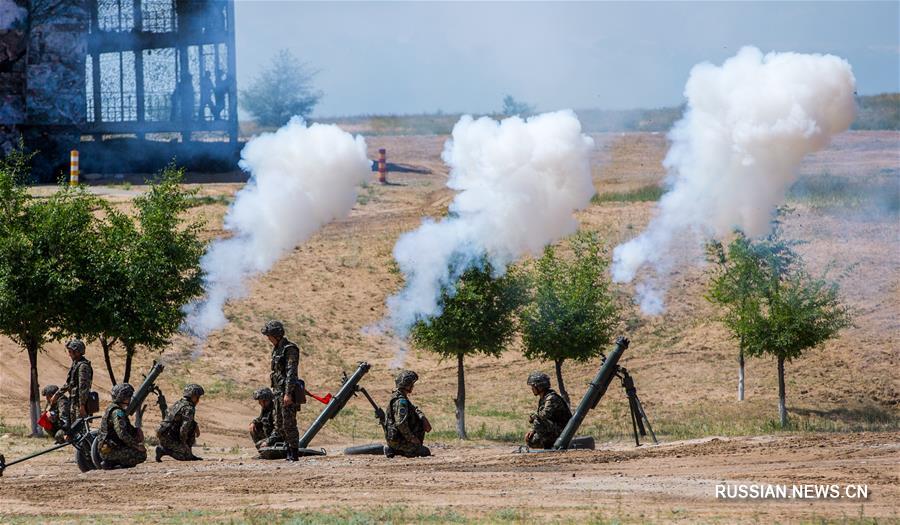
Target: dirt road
670 482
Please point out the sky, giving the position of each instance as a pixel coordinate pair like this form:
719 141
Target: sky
457 57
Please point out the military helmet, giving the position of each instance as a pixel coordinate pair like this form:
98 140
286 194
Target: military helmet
49 390
192 390
263 393
275 328
75 345
538 380
121 392
406 379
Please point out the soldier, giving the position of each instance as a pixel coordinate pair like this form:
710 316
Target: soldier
121 445
551 416
405 425
58 412
286 387
262 427
179 431
78 384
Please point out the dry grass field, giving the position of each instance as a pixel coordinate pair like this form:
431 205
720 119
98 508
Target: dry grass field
843 398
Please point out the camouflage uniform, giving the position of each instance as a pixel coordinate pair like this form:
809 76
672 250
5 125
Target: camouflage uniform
405 423
285 360
78 384
119 442
58 413
178 431
548 422
264 425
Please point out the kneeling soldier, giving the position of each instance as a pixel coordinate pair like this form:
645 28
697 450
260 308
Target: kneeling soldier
179 431
406 425
262 427
57 411
551 416
120 444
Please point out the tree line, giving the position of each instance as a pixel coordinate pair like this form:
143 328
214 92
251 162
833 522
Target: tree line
565 308
73 265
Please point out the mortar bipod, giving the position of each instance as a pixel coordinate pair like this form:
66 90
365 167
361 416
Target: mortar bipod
638 416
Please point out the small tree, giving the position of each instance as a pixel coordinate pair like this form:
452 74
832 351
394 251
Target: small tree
786 311
739 273
511 107
39 279
573 312
477 317
143 270
283 90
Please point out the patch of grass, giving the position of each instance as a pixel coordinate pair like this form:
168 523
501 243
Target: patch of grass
478 410
648 193
747 418
369 194
209 200
15 430
124 185
482 432
225 387
827 191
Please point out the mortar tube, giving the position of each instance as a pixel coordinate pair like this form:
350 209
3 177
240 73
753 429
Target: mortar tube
596 390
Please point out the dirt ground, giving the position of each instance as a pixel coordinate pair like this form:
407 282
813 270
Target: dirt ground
843 398
669 482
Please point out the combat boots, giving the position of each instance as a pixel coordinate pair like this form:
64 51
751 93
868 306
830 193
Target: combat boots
292 454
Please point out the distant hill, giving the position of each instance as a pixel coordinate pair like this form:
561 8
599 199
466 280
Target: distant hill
876 112
658 119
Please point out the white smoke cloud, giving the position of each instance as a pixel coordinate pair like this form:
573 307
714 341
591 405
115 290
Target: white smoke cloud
10 13
519 183
301 178
748 125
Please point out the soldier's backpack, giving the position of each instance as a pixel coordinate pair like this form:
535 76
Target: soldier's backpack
298 392
93 403
390 426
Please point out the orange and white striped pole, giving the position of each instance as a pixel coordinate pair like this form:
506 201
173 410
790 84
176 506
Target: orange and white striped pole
382 166
73 168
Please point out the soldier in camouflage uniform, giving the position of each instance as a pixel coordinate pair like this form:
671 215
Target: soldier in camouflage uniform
551 416
58 412
405 424
286 386
179 431
121 445
262 427
78 383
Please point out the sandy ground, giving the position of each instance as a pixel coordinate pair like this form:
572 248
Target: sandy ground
671 482
333 286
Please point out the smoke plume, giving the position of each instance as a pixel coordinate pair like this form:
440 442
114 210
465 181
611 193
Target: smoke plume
300 179
519 183
747 126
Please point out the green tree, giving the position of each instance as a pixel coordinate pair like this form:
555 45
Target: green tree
572 313
786 312
739 274
40 284
477 316
511 107
142 270
283 90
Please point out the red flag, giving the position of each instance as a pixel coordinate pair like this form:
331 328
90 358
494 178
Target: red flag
324 400
44 422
